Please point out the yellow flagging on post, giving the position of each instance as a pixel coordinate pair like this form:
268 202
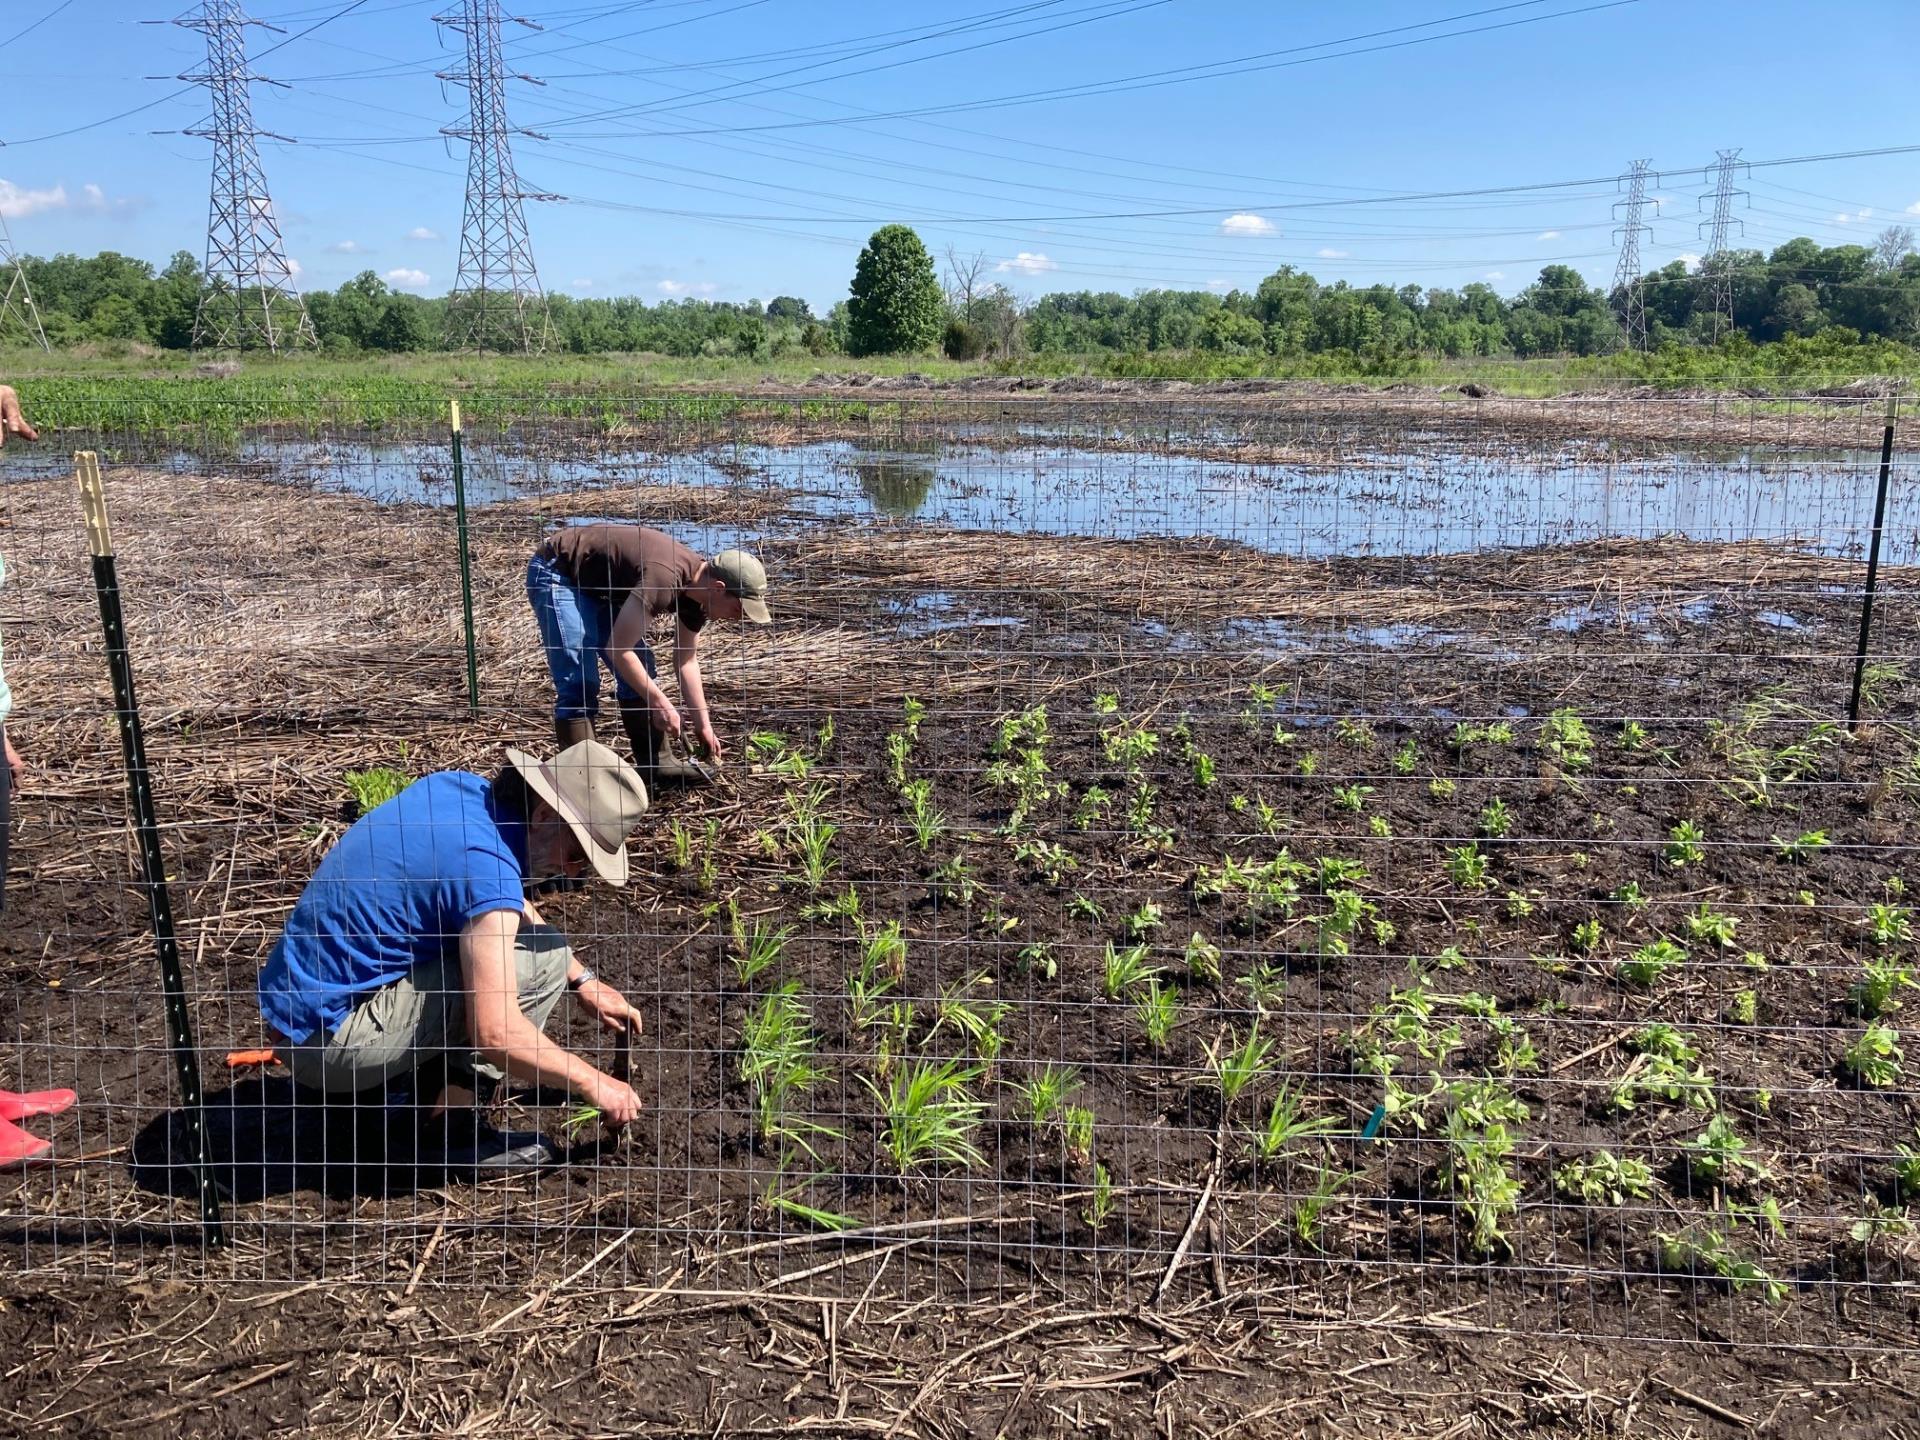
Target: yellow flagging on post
93 502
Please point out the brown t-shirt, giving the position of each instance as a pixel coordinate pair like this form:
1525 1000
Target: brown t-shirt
610 562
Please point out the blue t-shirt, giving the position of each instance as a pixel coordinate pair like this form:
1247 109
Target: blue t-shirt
394 892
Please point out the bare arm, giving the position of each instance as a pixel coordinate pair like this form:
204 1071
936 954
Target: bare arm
686 664
629 631
508 1039
12 422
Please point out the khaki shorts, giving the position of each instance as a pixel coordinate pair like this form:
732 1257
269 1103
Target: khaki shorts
419 1022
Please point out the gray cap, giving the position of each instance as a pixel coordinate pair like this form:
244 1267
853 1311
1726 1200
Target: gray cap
746 580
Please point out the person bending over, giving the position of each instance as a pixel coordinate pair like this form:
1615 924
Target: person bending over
596 592
414 960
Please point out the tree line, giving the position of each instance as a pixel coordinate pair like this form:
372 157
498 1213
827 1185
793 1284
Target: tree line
902 300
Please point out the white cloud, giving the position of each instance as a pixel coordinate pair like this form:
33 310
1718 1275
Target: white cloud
686 287
295 269
1219 284
1657 200
421 232
1857 217
1914 208
1331 254
1496 274
1244 224
408 279
1690 260
1027 262
17 201
583 284
1548 235
348 247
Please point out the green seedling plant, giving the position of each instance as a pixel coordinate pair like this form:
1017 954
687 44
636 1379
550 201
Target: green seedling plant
913 712
758 950
1288 1126
1683 845
1743 1008
1719 1154
929 1113
1094 807
1874 1056
1906 1168
1477 1168
1634 736
777 1063
1310 1211
1707 926
977 1021
1203 959
679 847
1234 1069
1308 764
372 788
1100 1204
1889 925
899 748
927 822
1442 787
1878 1223
1051 862
1123 970
1406 759
1603 1178
1802 847
1357 733
1076 1132
883 951
1645 966
1203 768
1708 1250
1143 921
1351 798
1496 820
1158 1011
1038 959
955 882
1586 936
1632 896
1465 736
787 1202
1044 1094
1467 866
1082 907
1569 740
842 906
1266 986
1878 990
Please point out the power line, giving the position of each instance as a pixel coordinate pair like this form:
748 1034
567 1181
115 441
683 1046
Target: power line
22 34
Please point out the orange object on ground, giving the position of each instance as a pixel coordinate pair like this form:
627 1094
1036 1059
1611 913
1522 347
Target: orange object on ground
240 1059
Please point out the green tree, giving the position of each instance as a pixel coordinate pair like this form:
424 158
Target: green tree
895 303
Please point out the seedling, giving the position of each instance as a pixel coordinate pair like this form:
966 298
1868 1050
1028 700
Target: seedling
1203 769
927 822
1407 758
955 883
1309 1212
1803 846
758 950
1477 1167
1889 924
978 1021
1352 798
1232 1070
1203 959
1038 959
1586 936
1467 866
1308 763
1076 1129
1647 964
1143 921
1106 703
928 1114
1333 872
1709 926
914 712
1719 1154
1357 733
1050 861
1710 1250
883 951
1568 740
1683 845
1044 1093
1878 1222
1158 1010
1440 787
1288 1125
1265 984
1519 906
1874 1056
1126 968
1082 908
785 1202
810 836
1095 804
1878 991
679 847
1604 1179
1743 1008
1631 896
1906 1170
1634 736
843 906
1100 1205
898 748
1379 827
1465 736
373 788
776 1062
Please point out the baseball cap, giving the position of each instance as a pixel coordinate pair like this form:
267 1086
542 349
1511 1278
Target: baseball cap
746 580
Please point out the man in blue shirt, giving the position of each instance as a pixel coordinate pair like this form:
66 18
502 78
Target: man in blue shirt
414 956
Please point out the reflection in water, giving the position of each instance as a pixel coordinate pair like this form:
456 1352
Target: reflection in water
897 482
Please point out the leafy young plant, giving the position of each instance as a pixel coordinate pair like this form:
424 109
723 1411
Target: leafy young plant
1158 1010
929 1114
1874 1056
1233 1069
1651 961
1878 991
1352 798
1288 1126
1124 969
979 1021
1489 1191
1889 924
927 822
372 788
1708 926
1203 959
1569 740
1044 1093
1683 844
1803 846
1495 819
1709 1249
1718 1153
1309 1212
1586 936
1467 866
1605 1179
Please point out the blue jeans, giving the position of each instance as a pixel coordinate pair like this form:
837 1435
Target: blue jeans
574 629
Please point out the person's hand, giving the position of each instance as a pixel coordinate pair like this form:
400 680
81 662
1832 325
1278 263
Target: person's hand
12 422
618 1104
666 717
610 1005
15 763
712 743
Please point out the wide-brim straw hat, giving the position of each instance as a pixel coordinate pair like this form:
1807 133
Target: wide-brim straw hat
597 793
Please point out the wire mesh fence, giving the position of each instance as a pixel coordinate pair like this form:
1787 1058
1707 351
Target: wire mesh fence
1401 857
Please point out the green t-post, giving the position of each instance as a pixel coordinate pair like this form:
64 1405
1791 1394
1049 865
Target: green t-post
466 563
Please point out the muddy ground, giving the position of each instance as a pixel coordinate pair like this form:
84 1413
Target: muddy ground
1340 1289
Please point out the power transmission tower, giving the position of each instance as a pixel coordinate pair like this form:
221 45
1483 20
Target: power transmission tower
496 302
16 297
1626 274
248 301
1718 272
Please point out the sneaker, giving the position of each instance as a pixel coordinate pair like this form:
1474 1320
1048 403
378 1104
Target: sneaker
462 1142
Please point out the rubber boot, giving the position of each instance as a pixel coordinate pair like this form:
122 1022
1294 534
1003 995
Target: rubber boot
568 733
653 757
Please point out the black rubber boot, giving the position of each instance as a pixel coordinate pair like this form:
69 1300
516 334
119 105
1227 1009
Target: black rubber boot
460 1142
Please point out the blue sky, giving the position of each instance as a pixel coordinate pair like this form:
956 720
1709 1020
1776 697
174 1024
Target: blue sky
686 135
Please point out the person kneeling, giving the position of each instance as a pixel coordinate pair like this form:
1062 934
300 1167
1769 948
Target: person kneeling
414 960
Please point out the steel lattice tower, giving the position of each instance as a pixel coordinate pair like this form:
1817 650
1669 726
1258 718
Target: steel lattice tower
496 303
1718 272
16 298
1626 274
248 302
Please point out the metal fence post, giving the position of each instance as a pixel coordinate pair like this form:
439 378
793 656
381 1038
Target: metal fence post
133 750
1873 570
466 561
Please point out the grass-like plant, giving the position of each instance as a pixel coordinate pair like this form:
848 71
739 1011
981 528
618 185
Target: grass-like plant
1288 1126
372 788
884 951
1076 1130
1044 1093
1158 1010
929 1113
978 1021
758 950
777 1063
1100 1204
1122 970
1233 1069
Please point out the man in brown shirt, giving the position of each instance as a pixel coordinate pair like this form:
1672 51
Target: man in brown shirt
596 591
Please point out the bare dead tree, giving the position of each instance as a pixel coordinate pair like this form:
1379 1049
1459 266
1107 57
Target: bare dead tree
1892 245
963 285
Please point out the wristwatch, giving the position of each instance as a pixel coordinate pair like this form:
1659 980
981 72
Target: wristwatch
585 977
